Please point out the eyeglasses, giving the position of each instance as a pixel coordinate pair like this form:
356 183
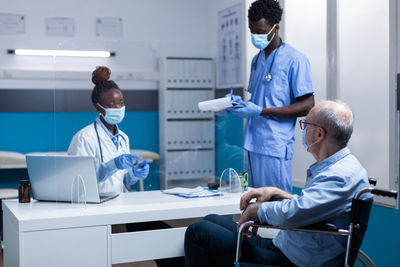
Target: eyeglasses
303 123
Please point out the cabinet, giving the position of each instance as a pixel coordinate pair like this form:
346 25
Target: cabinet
187 135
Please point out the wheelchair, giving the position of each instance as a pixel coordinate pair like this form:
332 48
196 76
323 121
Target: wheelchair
359 217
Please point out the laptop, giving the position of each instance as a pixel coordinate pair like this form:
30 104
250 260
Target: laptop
64 178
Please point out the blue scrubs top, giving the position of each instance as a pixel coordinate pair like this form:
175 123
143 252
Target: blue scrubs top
291 78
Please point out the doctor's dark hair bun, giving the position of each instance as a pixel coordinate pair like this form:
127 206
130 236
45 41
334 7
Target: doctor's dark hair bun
101 74
101 79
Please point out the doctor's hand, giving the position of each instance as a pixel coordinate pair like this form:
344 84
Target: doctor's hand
141 170
126 161
249 109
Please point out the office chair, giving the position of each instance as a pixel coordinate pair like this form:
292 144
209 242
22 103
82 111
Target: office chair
359 217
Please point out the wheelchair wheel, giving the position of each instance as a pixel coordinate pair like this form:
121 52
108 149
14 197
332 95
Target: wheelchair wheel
363 260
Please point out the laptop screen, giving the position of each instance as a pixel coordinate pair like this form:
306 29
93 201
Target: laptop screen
63 178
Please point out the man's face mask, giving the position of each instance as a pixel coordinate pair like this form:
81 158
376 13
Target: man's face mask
113 115
260 41
307 147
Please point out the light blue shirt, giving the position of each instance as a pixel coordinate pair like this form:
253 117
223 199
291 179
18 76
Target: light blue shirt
107 169
327 196
114 138
291 78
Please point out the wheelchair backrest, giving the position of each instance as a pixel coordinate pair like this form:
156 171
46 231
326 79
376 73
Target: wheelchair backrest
359 216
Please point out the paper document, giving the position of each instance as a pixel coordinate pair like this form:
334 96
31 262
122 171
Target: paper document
191 192
218 104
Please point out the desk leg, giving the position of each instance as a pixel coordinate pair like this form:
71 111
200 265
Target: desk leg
109 245
12 242
141 185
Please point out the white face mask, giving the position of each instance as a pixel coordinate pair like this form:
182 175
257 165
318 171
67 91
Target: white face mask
261 41
113 115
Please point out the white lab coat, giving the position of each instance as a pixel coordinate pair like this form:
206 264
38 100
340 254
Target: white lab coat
85 143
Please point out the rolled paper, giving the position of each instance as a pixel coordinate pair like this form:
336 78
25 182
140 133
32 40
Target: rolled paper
216 104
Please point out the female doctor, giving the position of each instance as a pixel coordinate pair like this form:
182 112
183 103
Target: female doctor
103 140
116 167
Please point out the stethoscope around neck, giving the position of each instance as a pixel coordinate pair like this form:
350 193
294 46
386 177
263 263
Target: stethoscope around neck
98 141
268 78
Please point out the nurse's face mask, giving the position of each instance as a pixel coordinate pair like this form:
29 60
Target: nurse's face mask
260 41
113 115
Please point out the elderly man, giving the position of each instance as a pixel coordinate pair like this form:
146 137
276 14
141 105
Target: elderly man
332 181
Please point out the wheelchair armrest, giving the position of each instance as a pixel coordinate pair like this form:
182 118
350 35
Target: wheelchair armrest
319 226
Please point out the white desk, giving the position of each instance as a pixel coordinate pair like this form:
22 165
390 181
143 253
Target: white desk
63 234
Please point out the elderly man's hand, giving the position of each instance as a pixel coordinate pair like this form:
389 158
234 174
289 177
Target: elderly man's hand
250 214
262 194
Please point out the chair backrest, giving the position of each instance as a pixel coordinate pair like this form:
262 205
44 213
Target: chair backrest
359 216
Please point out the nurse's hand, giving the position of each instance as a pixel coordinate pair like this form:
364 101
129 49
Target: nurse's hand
126 161
249 109
235 98
141 170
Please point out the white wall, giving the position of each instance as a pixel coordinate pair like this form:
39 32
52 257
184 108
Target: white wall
305 30
151 28
364 83
365 64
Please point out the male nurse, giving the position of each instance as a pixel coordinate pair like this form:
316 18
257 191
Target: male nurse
281 90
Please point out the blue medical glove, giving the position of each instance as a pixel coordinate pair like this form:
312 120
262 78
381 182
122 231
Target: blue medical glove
141 170
235 98
126 161
249 109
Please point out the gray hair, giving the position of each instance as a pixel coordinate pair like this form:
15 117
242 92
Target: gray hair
337 119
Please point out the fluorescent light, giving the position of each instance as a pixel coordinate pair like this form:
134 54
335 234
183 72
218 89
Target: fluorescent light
60 53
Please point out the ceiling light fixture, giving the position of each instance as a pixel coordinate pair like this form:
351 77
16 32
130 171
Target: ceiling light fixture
60 53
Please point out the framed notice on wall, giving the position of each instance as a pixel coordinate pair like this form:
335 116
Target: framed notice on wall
229 64
109 27
12 24
60 27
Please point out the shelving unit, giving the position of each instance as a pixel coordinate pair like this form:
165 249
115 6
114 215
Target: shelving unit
187 135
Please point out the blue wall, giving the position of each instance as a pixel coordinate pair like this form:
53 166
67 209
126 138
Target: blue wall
229 142
382 239
47 131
